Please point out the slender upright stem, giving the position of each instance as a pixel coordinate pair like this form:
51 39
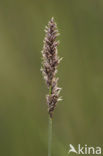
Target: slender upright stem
50 130
50 136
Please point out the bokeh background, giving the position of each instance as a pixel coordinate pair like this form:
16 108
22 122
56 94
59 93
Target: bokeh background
78 119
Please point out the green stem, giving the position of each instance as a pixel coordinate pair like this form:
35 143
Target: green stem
50 136
50 90
50 130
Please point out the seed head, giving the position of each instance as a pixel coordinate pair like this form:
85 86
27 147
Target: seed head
49 65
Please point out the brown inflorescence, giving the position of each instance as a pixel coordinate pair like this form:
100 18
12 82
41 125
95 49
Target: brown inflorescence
49 65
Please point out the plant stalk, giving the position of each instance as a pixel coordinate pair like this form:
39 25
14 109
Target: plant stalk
50 136
50 130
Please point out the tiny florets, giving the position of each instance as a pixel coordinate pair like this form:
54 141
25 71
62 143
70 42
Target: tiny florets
49 65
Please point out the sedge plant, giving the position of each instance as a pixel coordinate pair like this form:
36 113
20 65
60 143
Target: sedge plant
50 61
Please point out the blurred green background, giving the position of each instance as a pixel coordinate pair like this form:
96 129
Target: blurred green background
78 119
